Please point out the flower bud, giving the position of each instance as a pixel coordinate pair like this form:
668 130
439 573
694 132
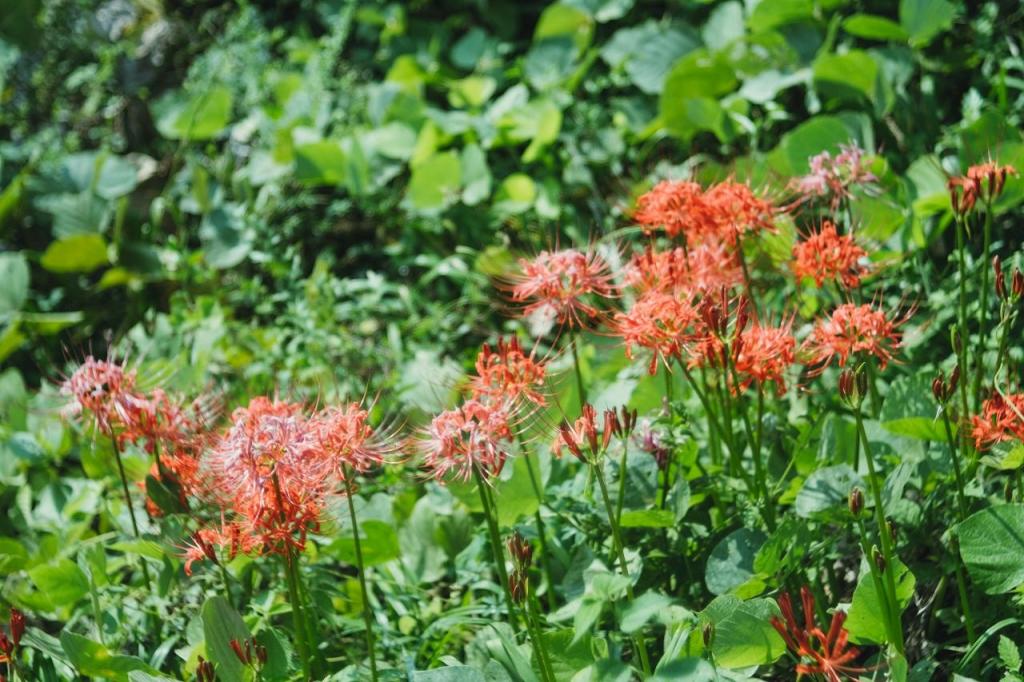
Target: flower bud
1000 281
6 645
891 525
1017 283
205 671
241 654
570 442
954 381
846 385
708 634
878 559
939 388
856 501
17 626
517 587
521 551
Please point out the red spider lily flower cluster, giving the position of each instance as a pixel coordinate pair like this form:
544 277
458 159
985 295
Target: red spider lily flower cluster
590 434
820 653
763 354
9 645
828 256
722 213
521 551
562 286
834 177
662 323
1001 419
474 436
508 372
707 267
274 472
982 181
854 329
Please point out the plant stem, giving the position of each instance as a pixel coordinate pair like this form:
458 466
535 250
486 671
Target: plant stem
883 532
880 589
979 349
533 629
291 577
128 502
367 618
620 501
541 533
499 558
955 457
965 603
580 388
638 639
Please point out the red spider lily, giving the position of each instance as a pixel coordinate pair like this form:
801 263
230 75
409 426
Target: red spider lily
852 329
1001 419
826 255
723 212
560 285
834 176
106 390
763 354
586 433
269 474
347 439
706 267
9 645
475 435
827 654
982 181
232 537
662 323
723 319
508 373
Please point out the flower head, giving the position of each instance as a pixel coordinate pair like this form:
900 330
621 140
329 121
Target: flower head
983 181
826 255
737 210
561 285
508 373
347 440
475 435
106 390
852 329
834 176
723 212
1001 419
763 354
661 323
674 206
828 654
705 267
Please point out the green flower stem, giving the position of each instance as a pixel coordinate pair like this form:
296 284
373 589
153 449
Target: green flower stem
883 532
979 349
580 388
638 639
965 602
961 349
621 499
954 455
128 502
533 629
891 613
292 578
541 532
367 618
496 551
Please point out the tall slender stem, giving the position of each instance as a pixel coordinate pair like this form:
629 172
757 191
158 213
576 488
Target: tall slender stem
965 602
367 618
641 645
128 503
294 596
979 349
541 532
580 388
954 456
496 551
883 531
533 629
891 620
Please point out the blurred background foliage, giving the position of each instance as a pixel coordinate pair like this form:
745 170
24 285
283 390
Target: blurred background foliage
317 197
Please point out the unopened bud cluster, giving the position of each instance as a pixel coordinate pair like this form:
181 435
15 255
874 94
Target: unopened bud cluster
942 389
251 653
853 386
521 551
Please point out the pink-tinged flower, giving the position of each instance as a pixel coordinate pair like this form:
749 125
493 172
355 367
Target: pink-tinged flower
268 474
853 329
1001 419
826 256
562 286
106 390
705 267
662 323
818 653
347 439
476 435
834 176
764 354
982 181
234 538
508 373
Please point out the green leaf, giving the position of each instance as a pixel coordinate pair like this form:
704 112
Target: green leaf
731 562
642 609
92 659
559 20
851 74
226 241
435 182
1005 456
14 275
648 518
140 676
743 634
874 27
378 541
477 174
689 102
321 163
221 624
516 194
62 583
769 14
909 409
821 133
79 253
200 116
865 621
827 489
1009 654
992 547
452 673
925 19
13 556
647 53
568 656
515 497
